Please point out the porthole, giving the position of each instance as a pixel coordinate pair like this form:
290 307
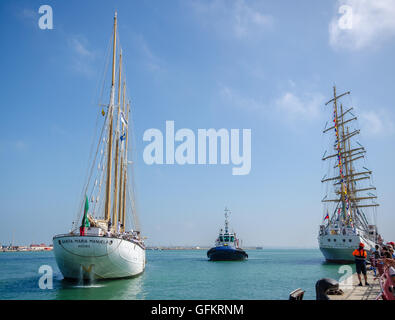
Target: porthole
329 240
344 240
349 240
334 240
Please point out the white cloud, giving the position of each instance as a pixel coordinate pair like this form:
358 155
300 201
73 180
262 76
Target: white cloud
289 106
143 50
151 60
373 22
377 123
82 57
79 46
248 20
241 18
234 99
306 107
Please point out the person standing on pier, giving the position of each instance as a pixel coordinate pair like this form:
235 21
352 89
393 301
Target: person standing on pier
360 263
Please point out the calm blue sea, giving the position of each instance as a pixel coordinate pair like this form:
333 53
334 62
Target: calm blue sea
177 274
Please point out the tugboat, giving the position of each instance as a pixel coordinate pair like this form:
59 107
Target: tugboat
227 245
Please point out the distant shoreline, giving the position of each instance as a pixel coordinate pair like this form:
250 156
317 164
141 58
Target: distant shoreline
153 248
32 248
28 250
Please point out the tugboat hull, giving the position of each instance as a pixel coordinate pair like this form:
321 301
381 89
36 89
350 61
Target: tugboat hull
226 254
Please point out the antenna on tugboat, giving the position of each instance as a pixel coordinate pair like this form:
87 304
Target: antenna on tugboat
227 211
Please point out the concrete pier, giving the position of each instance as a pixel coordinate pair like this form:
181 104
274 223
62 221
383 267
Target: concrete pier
354 292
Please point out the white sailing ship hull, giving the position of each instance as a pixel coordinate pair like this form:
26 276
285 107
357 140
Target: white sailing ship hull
94 257
339 248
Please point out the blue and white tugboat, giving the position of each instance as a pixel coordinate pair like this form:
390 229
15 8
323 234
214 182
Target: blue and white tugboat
227 245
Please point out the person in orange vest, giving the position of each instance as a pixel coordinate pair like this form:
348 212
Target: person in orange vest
360 263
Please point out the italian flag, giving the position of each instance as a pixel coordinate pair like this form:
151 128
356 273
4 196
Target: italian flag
85 221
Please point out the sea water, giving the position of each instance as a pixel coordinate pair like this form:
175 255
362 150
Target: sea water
177 274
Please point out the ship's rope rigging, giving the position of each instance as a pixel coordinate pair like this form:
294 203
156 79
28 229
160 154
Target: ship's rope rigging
93 141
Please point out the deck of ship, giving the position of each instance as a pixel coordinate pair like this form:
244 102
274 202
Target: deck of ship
354 292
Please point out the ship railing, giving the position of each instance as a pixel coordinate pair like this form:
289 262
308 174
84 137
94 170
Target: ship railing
111 235
70 234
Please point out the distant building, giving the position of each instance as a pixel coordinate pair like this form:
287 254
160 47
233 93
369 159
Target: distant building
40 247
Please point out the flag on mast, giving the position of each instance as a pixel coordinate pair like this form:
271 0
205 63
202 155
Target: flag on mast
327 216
124 121
85 221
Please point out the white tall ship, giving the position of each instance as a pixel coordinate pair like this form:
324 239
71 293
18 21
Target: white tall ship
349 201
100 246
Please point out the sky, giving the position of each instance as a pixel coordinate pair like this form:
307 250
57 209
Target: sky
266 65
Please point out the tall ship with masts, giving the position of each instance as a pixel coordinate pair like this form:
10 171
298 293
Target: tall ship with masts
349 201
100 245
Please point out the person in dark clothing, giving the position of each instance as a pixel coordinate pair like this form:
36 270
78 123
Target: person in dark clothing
360 263
377 253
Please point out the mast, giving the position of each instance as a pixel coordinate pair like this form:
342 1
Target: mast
121 164
125 165
347 177
110 129
117 136
339 149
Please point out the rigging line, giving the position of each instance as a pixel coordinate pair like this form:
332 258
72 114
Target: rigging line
129 218
105 71
134 215
133 158
84 189
124 71
98 180
366 156
94 162
128 209
96 124
100 163
104 74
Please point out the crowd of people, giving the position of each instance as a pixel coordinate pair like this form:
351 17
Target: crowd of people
384 251
385 254
382 259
